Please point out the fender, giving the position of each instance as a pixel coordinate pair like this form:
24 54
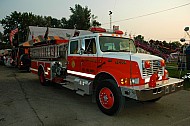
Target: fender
116 74
122 69
41 67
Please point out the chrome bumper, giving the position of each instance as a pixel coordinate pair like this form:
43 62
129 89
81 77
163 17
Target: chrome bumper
164 88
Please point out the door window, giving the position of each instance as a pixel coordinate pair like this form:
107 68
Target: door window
74 47
89 46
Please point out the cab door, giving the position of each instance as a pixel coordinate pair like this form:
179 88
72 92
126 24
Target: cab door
89 57
73 58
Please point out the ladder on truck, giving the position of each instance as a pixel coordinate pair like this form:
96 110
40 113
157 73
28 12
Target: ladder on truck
49 51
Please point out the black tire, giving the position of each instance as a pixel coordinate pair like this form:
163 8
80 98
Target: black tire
42 78
109 98
28 69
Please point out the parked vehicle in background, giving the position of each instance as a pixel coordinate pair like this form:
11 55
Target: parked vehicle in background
1 56
9 62
7 58
1 60
24 62
17 52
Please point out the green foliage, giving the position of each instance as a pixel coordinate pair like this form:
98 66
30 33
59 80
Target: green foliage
1 37
80 18
5 46
139 38
175 73
94 22
175 44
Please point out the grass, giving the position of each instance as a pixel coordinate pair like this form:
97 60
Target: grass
174 72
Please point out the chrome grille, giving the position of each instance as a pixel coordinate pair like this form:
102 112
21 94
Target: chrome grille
154 67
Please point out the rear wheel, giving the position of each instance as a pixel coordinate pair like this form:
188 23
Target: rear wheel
28 69
42 78
108 97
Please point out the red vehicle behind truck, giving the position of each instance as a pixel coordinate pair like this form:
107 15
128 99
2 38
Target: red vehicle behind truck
105 65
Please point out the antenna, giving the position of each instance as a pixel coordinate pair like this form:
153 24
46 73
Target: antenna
110 13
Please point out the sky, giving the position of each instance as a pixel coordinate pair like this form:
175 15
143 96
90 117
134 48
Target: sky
167 25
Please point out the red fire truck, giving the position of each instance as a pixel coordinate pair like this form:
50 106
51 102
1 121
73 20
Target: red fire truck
105 65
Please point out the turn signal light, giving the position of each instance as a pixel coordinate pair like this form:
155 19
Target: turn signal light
162 63
147 64
124 81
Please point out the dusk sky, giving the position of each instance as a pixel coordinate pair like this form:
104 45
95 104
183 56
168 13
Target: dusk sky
167 25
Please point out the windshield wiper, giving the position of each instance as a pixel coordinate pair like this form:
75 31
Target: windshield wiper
111 51
124 51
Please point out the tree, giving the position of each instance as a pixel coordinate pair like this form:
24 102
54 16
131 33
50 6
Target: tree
81 18
93 21
175 44
9 23
1 37
139 38
63 22
23 20
165 44
55 23
17 20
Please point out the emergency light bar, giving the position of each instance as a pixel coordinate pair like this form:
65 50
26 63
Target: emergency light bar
97 29
118 32
102 30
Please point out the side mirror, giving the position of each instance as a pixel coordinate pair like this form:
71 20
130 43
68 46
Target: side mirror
81 51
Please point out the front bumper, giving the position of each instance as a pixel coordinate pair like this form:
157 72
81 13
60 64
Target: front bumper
162 88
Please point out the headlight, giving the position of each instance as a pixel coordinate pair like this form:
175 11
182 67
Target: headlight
134 80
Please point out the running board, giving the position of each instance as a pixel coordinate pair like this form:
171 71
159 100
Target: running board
72 87
80 92
82 86
69 86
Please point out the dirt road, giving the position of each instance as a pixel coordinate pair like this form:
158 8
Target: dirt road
24 102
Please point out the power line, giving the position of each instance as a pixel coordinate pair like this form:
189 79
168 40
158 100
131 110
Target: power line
176 7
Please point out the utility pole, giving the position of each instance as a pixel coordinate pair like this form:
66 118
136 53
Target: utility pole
110 13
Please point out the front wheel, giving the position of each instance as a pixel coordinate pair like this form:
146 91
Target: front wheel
42 78
109 97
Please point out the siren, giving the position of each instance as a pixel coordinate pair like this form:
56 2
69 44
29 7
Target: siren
153 79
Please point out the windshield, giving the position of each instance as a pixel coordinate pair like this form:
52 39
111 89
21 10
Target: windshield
116 44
